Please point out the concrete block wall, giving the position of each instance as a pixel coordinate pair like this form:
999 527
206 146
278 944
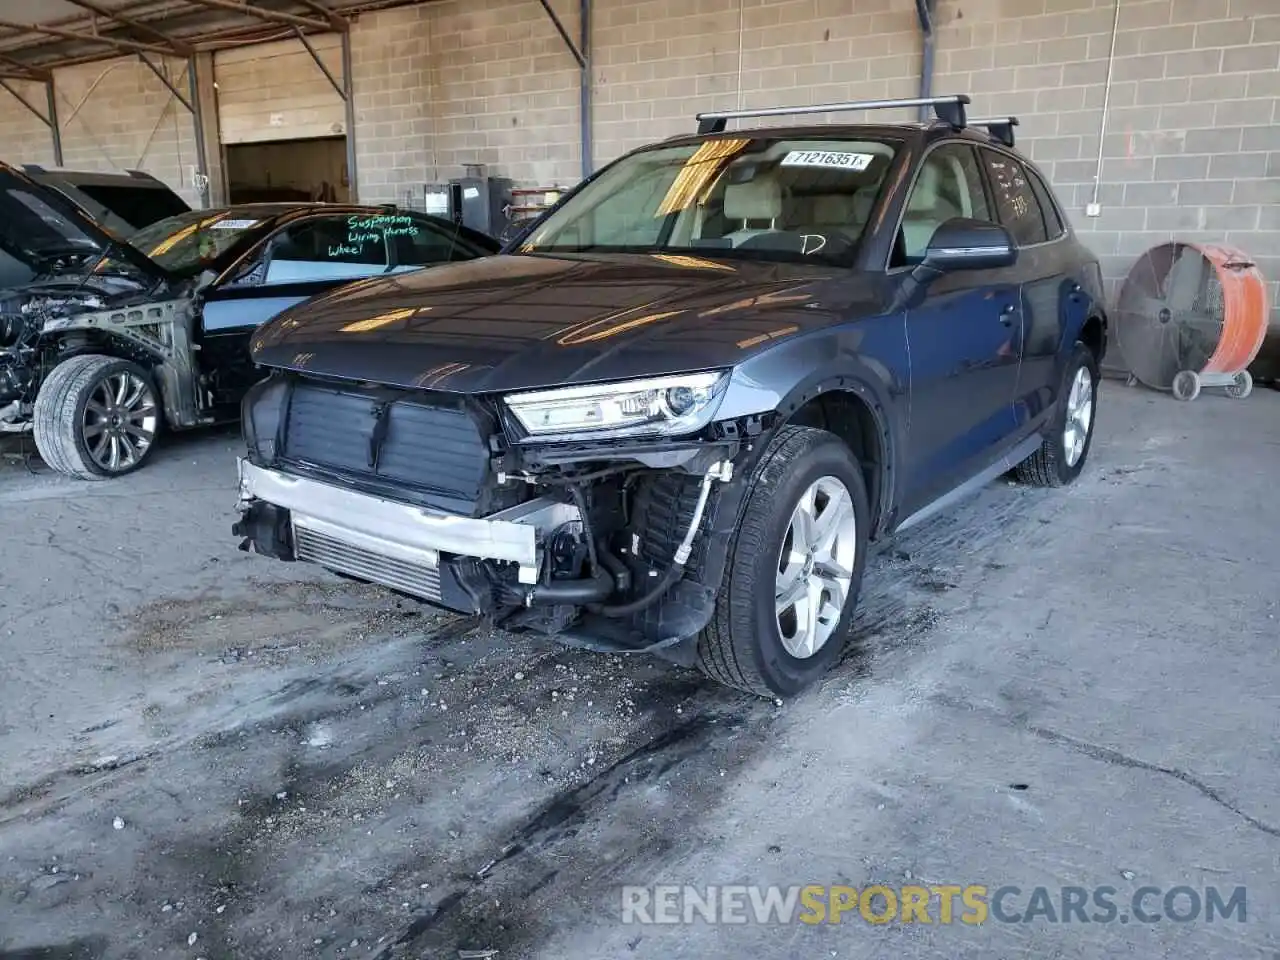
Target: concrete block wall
456 82
23 138
1191 149
117 115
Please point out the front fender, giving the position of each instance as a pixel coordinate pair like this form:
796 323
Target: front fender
867 359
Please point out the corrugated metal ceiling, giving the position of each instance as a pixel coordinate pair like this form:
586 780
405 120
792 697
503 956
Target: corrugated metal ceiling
38 35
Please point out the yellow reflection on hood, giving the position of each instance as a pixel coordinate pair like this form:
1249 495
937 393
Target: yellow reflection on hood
771 335
582 336
437 375
381 320
764 300
697 263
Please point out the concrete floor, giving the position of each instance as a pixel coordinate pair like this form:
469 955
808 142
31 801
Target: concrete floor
207 754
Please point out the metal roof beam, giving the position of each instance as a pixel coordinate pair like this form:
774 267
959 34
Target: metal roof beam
320 63
17 70
177 94
129 46
25 102
564 35
261 13
178 47
337 21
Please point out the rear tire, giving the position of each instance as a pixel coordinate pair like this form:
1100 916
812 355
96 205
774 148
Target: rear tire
96 417
1059 460
749 644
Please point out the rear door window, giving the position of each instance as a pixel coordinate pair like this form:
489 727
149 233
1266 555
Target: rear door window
1053 222
1020 211
326 248
417 242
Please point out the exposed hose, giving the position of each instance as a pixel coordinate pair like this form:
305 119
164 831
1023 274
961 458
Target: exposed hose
580 501
576 593
674 574
679 560
621 575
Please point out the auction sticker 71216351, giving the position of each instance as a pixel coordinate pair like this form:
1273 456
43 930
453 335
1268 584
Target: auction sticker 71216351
828 158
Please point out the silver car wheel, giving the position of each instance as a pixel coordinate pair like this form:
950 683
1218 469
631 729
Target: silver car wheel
120 419
815 567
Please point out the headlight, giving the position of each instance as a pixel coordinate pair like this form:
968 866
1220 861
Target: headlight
663 406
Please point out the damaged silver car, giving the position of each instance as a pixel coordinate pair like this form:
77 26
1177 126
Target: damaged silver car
105 341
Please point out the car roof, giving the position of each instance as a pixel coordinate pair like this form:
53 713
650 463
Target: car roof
812 131
934 129
70 174
275 210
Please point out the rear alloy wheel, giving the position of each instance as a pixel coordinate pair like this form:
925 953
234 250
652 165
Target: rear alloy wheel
1067 441
96 417
794 570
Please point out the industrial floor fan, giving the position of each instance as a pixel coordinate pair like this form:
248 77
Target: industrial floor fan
1191 316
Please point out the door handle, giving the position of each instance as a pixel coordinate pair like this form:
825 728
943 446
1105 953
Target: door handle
1006 315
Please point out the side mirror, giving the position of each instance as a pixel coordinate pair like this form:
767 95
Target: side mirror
964 244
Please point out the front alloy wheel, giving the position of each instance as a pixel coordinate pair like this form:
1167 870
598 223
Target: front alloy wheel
119 421
815 567
803 532
96 417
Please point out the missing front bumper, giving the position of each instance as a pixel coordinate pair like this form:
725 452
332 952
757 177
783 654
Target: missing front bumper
398 545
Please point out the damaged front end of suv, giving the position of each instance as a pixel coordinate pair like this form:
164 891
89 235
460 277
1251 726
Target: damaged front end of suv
600 515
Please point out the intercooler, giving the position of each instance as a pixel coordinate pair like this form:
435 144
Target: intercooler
418 577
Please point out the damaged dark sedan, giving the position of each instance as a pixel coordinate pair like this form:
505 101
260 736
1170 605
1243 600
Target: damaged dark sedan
105 341
672 417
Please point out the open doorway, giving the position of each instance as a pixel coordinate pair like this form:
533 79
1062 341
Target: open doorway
288 170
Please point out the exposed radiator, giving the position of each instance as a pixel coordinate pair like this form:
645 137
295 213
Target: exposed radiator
419 580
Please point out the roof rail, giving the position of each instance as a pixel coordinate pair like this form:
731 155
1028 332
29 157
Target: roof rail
949 109
1000 128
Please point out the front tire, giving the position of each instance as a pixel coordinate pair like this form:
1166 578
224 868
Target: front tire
96 417
1066 445
795 568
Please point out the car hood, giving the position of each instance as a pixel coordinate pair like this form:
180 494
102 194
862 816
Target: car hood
525 321
36 219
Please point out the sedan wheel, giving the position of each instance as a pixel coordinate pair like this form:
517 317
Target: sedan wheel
119 422
96 417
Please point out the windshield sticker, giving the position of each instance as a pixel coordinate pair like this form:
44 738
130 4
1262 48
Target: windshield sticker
233 225
828 158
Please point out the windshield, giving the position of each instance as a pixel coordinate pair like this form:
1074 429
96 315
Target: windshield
187 243
765 198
